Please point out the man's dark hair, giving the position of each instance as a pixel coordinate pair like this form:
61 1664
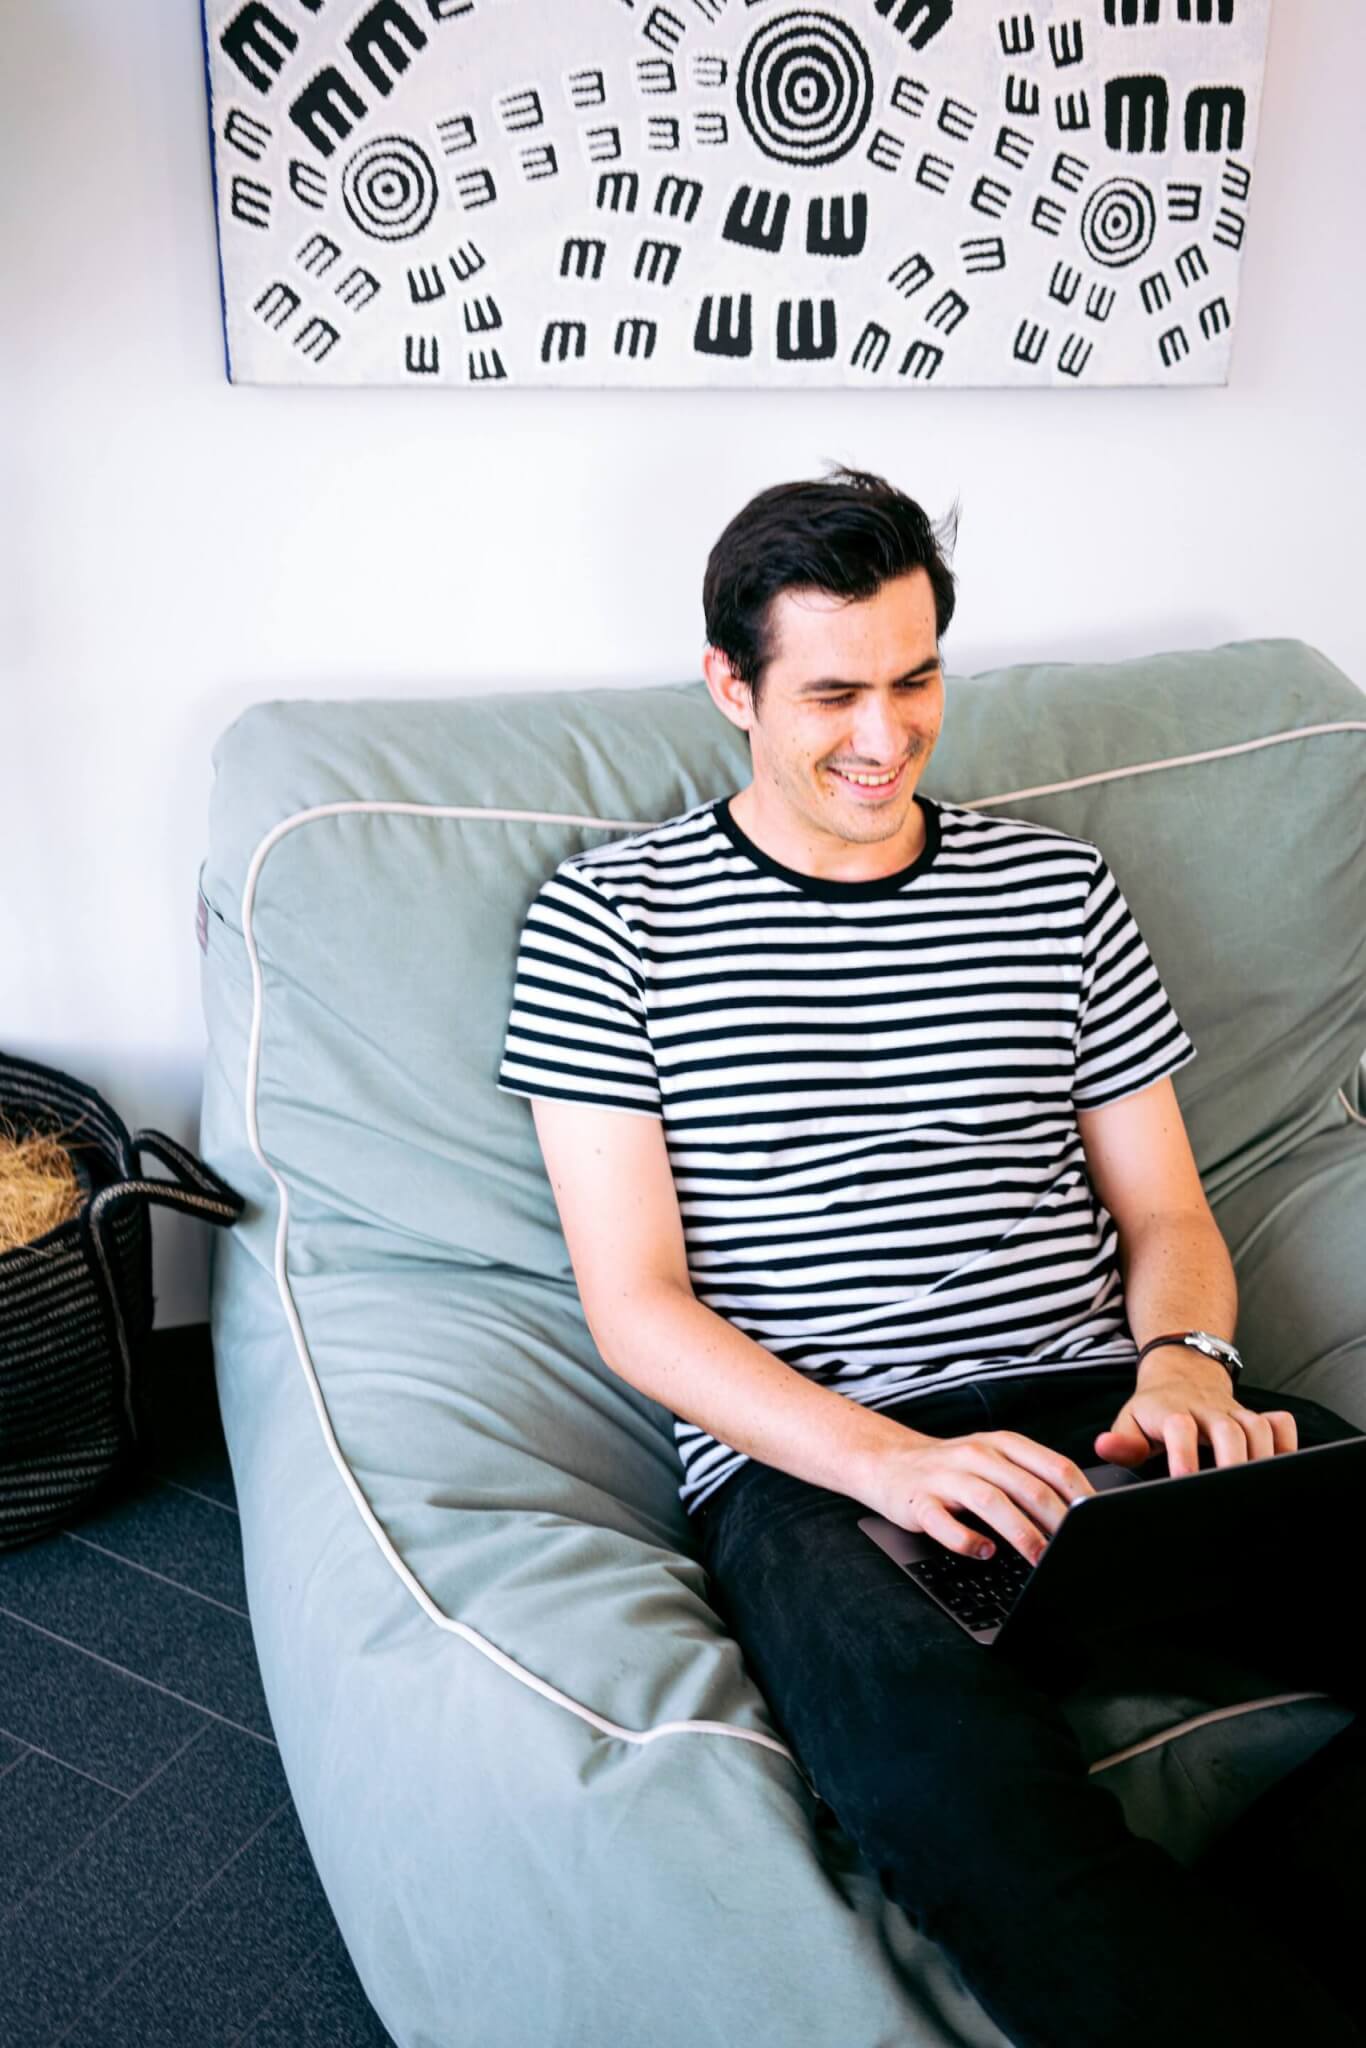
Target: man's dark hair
846 533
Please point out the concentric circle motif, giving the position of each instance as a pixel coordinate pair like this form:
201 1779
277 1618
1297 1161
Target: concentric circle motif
805 88
1119 222
389 188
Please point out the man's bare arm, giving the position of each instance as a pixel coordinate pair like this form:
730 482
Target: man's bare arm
615 1193
619 1210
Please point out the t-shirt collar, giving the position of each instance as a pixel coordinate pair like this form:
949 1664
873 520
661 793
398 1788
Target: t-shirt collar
826 886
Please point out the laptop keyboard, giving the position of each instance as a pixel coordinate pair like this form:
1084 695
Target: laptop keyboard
977 1591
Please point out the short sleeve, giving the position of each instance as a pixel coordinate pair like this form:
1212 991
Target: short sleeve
577 1031
1128 1035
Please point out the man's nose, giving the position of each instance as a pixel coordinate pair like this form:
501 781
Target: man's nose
880 727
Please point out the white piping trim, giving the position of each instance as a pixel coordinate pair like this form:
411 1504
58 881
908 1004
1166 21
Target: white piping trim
386 1548
1273 739
1275 1699
1354 1114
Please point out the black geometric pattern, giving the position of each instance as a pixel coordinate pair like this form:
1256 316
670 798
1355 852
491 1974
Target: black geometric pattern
692 192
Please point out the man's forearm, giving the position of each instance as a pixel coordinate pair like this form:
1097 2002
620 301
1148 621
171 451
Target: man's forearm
1178 1276
699 1366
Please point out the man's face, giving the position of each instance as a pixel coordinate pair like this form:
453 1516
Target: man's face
853 689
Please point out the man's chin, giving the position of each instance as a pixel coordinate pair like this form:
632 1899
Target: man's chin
859 819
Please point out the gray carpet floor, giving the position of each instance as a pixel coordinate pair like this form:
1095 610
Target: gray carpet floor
155 1887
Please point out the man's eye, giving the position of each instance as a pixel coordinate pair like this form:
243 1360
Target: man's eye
843 696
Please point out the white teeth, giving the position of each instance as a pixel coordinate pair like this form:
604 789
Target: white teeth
870 781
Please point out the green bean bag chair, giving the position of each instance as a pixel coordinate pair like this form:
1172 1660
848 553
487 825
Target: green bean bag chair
543 1792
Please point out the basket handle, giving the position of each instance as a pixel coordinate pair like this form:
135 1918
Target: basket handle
195 1190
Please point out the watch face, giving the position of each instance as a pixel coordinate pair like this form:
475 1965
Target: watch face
1215 1347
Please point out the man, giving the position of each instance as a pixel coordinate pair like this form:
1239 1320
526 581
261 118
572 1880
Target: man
858 1112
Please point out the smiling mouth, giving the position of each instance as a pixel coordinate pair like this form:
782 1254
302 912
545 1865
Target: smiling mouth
870 784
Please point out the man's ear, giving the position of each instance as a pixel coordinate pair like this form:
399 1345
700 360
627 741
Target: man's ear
729 694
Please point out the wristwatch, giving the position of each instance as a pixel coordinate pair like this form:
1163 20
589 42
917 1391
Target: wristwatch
1200 1340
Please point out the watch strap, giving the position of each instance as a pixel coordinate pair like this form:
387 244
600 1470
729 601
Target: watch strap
1233 1366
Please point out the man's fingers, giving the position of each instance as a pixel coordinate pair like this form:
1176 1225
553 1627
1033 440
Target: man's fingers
1229 1439
1261 1440
1235 1438
1181 1434
1264 1435
1284 1433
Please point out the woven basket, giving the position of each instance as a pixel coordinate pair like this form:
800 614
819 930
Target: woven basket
76 1304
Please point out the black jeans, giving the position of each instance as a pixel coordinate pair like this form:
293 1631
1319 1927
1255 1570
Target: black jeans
964 1786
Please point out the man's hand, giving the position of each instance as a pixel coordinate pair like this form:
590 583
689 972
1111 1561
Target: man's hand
1184 1401
1009 1484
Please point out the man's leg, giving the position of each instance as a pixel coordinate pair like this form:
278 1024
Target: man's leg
1295 1855
966 1790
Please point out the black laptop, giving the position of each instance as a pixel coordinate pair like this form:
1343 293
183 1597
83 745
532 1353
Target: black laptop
1228 1541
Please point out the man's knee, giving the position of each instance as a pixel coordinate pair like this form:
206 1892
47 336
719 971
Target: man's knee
937 1789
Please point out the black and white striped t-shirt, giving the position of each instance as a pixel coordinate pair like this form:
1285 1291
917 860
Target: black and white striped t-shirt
868 1089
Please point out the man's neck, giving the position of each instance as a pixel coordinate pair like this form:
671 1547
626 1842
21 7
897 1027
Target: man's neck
823 856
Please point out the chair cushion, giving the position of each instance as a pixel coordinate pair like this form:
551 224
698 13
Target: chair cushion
481 1621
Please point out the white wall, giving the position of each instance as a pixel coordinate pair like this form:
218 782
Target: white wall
174 549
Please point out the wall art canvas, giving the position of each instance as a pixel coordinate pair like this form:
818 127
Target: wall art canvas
884 194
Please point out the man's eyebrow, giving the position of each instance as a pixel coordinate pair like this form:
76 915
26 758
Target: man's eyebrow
930 663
